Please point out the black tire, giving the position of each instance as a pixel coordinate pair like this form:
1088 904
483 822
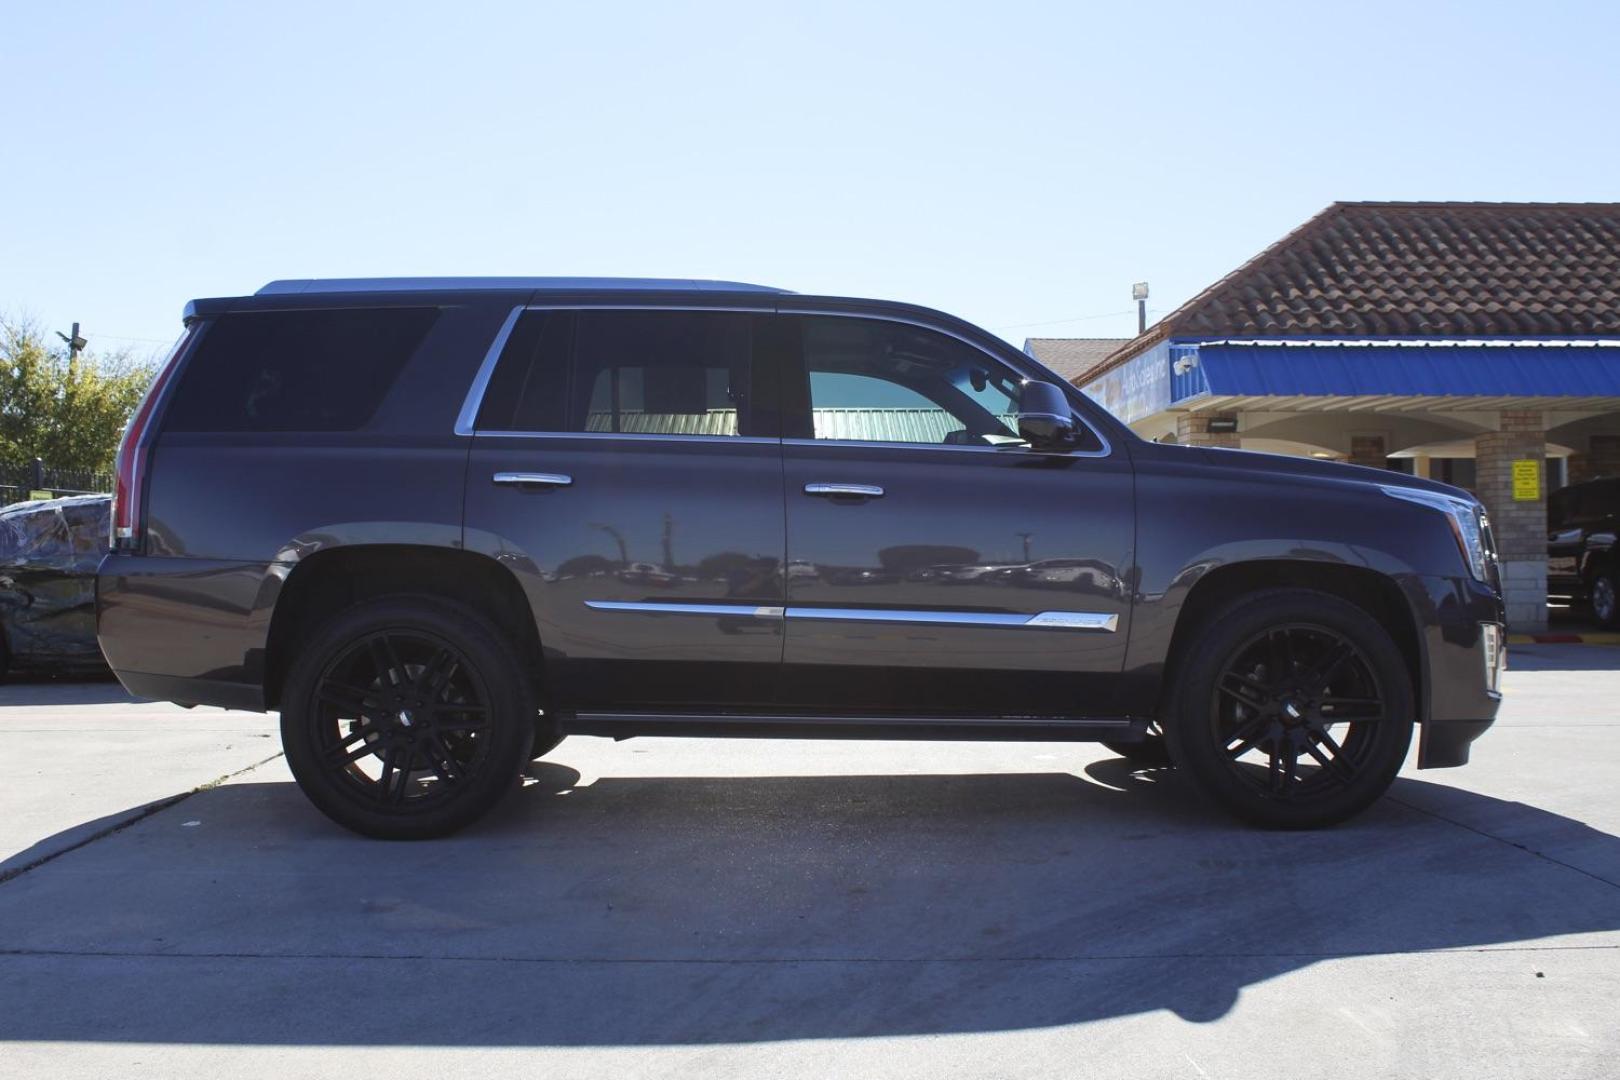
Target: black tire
1266 679
1604 591
423 692
1151 751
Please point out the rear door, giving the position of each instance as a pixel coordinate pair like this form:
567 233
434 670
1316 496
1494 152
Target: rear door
627 468
937 564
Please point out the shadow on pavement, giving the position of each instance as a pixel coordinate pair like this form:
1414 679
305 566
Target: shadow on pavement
663 910
78 689
1554 657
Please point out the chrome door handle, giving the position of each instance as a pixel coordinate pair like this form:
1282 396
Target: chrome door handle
541 479
859 491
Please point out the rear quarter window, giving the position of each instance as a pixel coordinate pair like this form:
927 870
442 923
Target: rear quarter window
324 370
1601 500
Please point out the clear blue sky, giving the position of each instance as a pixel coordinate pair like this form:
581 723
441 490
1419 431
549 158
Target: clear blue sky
1013 163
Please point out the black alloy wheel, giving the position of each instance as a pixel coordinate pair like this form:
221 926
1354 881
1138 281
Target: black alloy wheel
402 718
1605 602
1291 697
407 717
1296 709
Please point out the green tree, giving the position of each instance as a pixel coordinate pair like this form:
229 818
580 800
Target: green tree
67 410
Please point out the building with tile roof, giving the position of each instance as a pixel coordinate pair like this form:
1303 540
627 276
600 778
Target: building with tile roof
1449 339
1073 357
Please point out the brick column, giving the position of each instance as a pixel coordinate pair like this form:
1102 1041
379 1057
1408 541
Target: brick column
1368 450
1192 429
1520 526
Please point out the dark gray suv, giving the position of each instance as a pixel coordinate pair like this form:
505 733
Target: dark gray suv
439 525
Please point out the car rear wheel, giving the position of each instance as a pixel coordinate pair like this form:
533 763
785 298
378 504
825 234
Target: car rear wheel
1605 601
1293 709
407 717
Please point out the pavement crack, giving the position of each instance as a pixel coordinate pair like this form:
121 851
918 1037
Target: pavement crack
138 816
1528 850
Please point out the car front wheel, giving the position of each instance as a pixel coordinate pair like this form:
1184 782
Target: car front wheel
1605 603
1293 709
407 717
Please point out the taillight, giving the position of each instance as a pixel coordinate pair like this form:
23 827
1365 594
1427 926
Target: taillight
133 453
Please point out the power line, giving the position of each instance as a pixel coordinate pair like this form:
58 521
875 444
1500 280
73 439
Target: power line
1075 318
130 337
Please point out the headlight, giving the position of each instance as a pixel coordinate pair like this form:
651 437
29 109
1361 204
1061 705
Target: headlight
1467 519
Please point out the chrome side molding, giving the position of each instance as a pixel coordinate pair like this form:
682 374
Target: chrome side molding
1097 621
746 611
1077 620
1107 622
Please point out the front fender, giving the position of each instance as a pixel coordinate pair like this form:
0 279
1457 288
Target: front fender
1198 512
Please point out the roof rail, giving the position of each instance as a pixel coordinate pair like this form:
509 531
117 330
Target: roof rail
432 284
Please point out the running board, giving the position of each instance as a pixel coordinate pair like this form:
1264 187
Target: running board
623 725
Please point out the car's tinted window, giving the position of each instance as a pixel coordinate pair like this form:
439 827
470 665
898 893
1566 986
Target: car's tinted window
1602 501
1561 506
633 372
876 381
1582 504
325 370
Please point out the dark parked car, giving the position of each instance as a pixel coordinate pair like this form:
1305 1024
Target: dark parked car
442 524
1583 564
49 550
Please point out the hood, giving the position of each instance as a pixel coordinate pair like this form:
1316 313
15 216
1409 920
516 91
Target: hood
1291 467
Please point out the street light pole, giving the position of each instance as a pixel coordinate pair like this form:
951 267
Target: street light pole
1139 293
75 343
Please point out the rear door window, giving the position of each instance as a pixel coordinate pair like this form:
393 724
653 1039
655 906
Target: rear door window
626 372
319 370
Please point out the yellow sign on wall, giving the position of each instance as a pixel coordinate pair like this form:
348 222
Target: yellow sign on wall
1526 480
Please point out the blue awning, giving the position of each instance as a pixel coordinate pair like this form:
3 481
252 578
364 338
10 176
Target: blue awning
1574 370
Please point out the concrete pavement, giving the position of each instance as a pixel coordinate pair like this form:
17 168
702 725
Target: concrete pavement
733 908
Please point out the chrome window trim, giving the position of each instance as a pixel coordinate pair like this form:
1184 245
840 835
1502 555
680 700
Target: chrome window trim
623 436
466 419
1104 621
1003 450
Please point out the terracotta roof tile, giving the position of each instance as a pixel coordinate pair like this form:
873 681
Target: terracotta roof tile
1071 357
1383 269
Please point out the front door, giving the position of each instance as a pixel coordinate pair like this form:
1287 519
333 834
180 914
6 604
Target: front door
936 563
627 471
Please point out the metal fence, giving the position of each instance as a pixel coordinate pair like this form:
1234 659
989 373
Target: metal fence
38 481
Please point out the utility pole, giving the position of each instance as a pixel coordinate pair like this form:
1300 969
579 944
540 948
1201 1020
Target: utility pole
75 343
1026 537
1139 293
618 538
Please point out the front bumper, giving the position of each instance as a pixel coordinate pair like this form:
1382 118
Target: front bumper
1462 695
1444 744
